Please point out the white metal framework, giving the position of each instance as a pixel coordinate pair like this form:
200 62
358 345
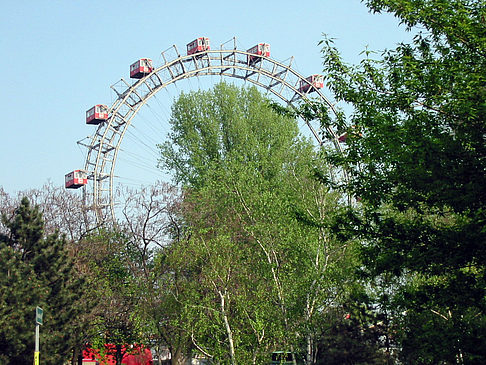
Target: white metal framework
103 146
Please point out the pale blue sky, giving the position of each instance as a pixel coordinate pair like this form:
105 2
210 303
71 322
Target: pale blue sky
58 58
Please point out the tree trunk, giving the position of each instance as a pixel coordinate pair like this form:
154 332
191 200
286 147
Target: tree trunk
228 329
77 357
177 358
310 357
118 355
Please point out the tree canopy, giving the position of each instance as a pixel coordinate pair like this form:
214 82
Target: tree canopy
416 153
256 275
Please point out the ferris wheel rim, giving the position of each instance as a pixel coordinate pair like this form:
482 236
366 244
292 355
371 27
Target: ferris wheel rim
105 142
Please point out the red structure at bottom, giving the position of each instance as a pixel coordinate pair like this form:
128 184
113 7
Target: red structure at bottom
133 355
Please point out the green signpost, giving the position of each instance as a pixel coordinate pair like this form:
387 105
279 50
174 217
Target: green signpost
38 315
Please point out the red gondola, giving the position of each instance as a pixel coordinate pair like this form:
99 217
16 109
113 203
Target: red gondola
261 49
200 44
311 83
354 133
343 137
141 68
76 179
97 114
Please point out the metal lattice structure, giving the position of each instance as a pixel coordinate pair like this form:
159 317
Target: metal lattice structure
103 146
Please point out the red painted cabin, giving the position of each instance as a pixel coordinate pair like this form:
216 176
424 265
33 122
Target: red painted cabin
141 68
138 355
354 133
343 137
200 44
76 179
97 114
261 49
311 83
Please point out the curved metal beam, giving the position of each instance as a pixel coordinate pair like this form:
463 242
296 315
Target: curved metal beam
266 73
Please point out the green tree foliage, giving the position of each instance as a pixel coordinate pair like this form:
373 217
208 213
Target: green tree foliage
416 152
229 125
111 265
254 277
35 271
366 333
163 312
347 341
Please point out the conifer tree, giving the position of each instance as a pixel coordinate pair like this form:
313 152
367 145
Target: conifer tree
35 271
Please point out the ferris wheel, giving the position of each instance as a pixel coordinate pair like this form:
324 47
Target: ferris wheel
113 122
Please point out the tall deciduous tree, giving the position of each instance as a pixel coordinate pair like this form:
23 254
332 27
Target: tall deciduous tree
256 276
417 156
63 211
112 266
150 221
